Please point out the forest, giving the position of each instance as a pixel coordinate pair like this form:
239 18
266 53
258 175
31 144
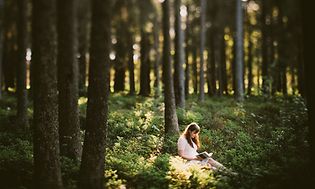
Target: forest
95 94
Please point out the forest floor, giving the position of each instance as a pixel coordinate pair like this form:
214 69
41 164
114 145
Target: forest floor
264 140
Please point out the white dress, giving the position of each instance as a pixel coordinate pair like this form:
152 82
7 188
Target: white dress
191 152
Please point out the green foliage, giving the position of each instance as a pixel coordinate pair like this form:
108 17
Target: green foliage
16 161
264 142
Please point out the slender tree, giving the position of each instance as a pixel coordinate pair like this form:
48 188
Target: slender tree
22 121
187 51
93 155
308 41
1 43
170 116
69 125
47 173
239 89
157 61
10 56
145 66
131 64
84 27
202 48
179 85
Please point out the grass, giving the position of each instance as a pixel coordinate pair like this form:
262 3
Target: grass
263 140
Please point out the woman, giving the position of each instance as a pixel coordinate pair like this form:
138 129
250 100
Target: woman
188 144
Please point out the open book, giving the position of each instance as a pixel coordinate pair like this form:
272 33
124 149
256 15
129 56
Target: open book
204 155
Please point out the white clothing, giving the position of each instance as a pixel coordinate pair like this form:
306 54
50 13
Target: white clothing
184 146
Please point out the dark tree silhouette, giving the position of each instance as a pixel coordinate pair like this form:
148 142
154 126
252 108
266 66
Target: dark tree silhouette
179 85
171 121
22 121
239 88
47 173
69 125
202 48
92 164
84 20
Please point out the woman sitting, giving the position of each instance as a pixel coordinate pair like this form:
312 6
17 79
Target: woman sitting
188 144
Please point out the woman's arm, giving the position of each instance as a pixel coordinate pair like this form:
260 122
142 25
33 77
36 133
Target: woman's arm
181 154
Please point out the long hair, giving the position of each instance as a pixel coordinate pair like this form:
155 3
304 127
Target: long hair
192 127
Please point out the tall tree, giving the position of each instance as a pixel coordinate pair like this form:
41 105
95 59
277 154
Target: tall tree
239 88
265 32
202 48
69 125
144 6
1 42
93 155
187 51
179 80
9 44
21 92
47 173
84 27
308 41
157 61
131 64
170 116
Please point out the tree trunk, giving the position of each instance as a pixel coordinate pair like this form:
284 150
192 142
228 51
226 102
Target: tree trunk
300 68
69 125
145 65
223 67
187 52
308 42
1 43
265 39
131 65
218 57
157 61
121 57
212 89
170 116
84 19
203 4
47 173
179 85
250 64
93 156
22 121
239 88
194 69
9 42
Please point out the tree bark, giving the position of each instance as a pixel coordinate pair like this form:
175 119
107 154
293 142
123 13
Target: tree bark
223 67
179 85
9 43
145 64
1 43
84 27
69 124
157 61
131 65
47 173
187 51
170 116
308 42
121 57
22 121
250 64
203 4
264 48
93 156
239 88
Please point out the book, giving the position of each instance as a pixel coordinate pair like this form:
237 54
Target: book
204 155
